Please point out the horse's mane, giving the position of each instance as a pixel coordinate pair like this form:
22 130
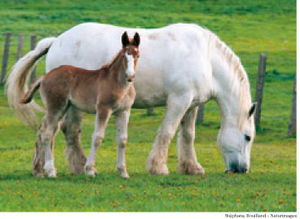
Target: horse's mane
239 78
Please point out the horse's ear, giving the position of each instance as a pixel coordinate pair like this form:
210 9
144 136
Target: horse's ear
125 39
136 39
252 110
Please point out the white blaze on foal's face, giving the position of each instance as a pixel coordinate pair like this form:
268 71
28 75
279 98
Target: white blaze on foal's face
130 71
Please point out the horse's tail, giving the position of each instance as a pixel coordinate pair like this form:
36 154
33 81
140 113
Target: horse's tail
32 89
16 83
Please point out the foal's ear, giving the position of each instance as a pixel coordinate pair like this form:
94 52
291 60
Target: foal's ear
136 39
252 110
125 39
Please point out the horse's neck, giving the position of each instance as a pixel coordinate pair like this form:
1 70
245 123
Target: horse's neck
232 85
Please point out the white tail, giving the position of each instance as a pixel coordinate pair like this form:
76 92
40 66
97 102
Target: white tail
16 83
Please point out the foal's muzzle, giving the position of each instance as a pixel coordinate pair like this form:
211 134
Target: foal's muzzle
130 78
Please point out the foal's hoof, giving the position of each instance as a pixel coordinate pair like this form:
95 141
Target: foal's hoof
124 175
50 170
51 173
123 172
38 174
191 168
90 171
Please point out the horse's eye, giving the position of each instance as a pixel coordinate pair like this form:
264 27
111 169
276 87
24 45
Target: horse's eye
247 138
138 56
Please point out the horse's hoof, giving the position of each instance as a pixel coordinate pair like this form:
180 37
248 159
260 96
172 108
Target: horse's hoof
124 175
90 171
52 174
123 172
158 170
198 171
191 168
38 174
50 170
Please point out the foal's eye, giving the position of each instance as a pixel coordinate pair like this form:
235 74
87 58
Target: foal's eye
247 138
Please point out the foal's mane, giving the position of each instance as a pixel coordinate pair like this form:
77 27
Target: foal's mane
239 78
113 61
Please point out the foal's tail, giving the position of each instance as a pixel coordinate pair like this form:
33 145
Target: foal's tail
32 89
16 83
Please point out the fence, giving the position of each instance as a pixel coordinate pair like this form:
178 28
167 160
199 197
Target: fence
200 115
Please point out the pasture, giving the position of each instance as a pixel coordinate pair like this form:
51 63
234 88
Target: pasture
249 28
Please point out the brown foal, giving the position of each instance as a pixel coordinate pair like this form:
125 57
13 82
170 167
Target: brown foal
105 91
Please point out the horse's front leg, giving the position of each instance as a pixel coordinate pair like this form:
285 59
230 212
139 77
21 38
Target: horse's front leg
187 158
122 119
176 108
102 118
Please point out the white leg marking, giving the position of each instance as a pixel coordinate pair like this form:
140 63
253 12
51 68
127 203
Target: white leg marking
122 124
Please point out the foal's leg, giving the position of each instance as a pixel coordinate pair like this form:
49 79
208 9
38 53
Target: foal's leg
39 154
102 118
187 158
176 108
122 123
38 157
71 128
48 130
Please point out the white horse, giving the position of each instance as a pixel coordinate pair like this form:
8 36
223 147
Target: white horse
180 66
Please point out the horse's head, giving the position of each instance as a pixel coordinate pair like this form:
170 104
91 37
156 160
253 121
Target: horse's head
131 54
235 144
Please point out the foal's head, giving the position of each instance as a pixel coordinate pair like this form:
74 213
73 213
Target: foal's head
131 54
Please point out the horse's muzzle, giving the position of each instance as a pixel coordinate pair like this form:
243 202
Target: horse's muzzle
237 168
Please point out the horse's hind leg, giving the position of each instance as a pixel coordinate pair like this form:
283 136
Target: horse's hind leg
187 158
122 123
71 128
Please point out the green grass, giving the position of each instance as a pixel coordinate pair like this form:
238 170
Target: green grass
249 28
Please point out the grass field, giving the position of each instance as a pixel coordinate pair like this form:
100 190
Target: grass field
249 28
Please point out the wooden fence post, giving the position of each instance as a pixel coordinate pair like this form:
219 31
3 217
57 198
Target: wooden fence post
33 42
293 119
150 111
260 86
5 57
200 113
20 46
